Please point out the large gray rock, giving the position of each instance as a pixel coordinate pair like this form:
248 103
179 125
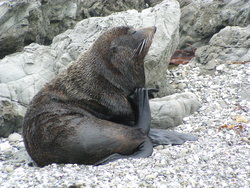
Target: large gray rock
23 74
230 45
201 19
169 111
23 22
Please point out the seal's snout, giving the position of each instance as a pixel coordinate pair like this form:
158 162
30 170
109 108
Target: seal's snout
149 31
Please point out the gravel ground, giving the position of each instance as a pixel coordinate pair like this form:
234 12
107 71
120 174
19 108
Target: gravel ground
220 158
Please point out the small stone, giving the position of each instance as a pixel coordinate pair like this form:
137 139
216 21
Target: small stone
14 137
220 67
182 85
5 147
245 139
151 176
241 119
160 147
9 168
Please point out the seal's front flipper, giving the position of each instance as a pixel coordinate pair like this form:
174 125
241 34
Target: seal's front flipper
140 102
144 150
166 137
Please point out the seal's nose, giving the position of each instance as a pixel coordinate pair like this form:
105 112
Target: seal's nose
155 28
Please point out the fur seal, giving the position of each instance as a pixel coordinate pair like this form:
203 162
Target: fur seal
98 109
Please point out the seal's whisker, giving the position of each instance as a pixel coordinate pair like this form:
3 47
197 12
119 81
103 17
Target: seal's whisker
142 46
137 49
139 46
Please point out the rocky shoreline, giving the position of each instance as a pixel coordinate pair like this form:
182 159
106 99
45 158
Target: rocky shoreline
211 100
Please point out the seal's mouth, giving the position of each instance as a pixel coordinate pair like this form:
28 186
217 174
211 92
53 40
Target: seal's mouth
146 42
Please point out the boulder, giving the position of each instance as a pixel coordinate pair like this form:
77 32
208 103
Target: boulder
230 45
201 19
169 111
11 117
24 73
23 22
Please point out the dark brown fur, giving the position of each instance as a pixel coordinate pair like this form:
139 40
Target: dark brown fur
84 115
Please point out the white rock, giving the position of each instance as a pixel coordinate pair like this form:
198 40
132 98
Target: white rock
9 168
14 137
5 147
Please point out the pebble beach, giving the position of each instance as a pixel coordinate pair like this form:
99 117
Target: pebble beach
220 158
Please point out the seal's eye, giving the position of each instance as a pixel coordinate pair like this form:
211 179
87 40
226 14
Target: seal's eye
132 32
114 49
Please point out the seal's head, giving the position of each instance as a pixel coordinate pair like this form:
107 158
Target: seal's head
123 50
135 42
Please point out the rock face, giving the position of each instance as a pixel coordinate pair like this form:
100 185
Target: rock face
93 8
152 3
230 45
23 74
201 19
169 111
23 22
184 3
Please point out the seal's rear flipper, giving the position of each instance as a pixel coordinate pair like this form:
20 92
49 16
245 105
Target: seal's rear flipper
144 150
110 158
165 137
